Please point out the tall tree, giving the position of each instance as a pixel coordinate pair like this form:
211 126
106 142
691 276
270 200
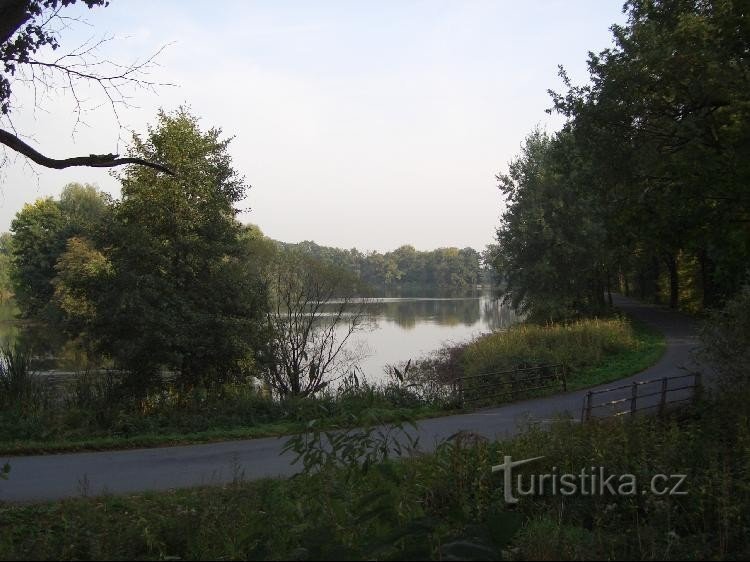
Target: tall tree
183 295
38 241
665 122
40 234
6 285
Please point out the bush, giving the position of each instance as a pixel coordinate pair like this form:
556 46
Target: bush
726 339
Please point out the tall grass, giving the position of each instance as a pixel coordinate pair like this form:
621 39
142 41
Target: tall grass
19 386
577 345
95 410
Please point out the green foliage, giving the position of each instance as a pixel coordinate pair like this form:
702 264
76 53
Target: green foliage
644 189
593 351
40 237
443 269
447 505
38 240
353 451
182 292
83 272
95 411
85 209
709 445
164 279
648 349
6 285
726 339
551 244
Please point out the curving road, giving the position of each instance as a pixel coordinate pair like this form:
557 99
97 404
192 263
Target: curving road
50 477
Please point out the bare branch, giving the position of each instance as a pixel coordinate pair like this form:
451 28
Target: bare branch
92 160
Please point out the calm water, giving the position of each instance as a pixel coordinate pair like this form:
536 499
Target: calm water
410 328
399 329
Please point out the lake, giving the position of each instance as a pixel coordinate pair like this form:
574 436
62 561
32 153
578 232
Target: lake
399 329
411 327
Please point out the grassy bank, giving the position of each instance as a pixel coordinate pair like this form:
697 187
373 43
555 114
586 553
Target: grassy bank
645 349
594 351
444 506
94 414
89 418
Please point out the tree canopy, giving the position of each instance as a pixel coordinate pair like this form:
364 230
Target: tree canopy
405 268
164 278
645 188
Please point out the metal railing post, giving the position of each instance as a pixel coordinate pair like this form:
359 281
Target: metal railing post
698 390
663 398
589 406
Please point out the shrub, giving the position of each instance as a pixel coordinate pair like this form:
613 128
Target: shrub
726 339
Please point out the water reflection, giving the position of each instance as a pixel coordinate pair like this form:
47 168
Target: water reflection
408 313
400 328
408 328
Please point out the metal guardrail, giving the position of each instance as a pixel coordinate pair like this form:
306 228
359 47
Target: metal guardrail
636 395
510 384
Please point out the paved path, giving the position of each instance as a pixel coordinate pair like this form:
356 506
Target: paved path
50 477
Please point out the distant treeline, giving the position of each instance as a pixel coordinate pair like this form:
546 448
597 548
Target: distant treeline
443 269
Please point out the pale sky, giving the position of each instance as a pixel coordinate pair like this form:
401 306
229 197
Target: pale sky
368 124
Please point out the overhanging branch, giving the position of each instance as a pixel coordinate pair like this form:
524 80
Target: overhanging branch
92 160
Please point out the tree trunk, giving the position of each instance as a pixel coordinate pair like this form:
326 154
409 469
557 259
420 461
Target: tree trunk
674 281
707 286
642 283
654 280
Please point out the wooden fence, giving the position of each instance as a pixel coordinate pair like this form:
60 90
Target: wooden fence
642 395
504 386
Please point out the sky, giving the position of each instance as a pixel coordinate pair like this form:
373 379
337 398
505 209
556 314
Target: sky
357 124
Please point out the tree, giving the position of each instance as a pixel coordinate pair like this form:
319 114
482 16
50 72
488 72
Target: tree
314 313
25 30
6 285
185 294
552 242
82 273
38 241
84 207
40 234
646 184
665 122
403 268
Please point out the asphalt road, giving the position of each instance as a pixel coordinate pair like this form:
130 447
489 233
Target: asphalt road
49 477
